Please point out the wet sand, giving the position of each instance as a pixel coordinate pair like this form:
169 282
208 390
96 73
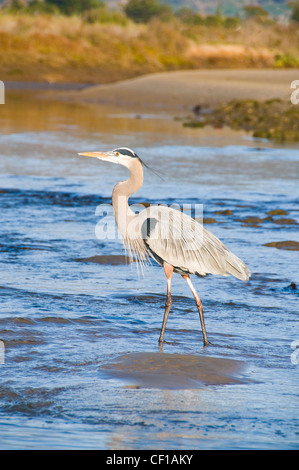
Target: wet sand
185 89
175 371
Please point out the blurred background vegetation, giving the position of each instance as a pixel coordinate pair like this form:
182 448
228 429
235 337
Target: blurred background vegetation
93 41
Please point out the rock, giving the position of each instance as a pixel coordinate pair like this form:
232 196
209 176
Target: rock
197 109
285 221
277 212
251 220
209 220
289 245
225 212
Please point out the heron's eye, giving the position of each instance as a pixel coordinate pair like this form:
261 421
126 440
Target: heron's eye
117 154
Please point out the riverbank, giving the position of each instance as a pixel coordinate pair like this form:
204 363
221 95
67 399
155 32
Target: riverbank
62 49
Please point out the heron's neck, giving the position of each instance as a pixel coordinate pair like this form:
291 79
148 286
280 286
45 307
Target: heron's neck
122 192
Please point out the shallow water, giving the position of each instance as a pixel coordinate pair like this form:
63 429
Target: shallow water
81 363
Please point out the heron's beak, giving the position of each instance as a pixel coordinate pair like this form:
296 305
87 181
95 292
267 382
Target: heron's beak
100 155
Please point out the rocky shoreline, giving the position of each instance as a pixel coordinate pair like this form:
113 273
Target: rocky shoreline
272 119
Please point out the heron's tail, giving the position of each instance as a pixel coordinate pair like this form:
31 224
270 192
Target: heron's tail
236 267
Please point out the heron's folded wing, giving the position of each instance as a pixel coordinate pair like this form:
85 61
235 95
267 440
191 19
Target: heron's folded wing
184 243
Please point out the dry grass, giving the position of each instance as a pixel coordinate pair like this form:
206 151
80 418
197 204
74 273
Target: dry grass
68 49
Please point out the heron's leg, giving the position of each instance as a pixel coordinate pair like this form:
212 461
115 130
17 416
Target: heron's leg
200 309
168 269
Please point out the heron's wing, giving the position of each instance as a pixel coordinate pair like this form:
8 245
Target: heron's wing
179 240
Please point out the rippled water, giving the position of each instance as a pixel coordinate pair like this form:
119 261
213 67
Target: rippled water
82 367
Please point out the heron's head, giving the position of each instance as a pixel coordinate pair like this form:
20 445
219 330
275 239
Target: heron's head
122 156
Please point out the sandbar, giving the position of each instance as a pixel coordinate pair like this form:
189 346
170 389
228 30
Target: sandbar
175 371
182 90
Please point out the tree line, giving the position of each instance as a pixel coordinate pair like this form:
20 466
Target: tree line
141 11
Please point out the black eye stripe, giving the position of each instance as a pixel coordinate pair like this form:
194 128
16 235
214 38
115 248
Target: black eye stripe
128 152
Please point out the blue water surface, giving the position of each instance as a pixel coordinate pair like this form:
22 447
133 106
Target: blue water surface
64 318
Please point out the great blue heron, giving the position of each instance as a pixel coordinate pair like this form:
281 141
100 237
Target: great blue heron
176 241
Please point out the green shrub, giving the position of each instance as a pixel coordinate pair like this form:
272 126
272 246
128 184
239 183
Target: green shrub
255 12
232 22
295 12
67 7
186 15
103 15
214 20
142 11
286 61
